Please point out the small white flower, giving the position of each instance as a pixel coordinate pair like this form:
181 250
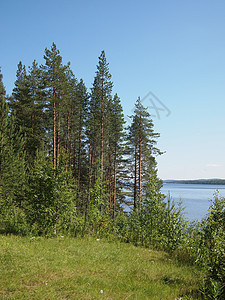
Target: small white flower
101 292
97 240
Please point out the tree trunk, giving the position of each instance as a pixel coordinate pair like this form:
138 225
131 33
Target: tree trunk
1 151
79 155
67 132
58 140
114 189
135 178
90 157
71 137
139 194
32 116
109 185
102 132
54 132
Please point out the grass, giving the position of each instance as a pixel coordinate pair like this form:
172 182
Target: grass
73 268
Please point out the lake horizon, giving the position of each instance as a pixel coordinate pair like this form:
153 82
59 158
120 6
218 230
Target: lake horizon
196 198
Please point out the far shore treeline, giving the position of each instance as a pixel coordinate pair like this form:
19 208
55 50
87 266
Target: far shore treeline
197 181
70 165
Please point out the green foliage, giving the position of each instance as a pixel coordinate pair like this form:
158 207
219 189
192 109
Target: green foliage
98 220
27 106
13 169
212 289
142 152
4 111
160 223
13 181
14 220
213 248
51 196
205 246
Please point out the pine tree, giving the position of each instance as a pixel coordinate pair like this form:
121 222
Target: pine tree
3 120
13 168
20 102
37 105
75 129
100 97
80 113
116 147
55 79
2 88
27 104
142 140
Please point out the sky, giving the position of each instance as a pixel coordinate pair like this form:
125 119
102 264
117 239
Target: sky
171 54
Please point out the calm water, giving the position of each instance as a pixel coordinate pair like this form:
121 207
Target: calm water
195 197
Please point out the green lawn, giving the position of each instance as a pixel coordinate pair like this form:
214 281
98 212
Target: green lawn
74 268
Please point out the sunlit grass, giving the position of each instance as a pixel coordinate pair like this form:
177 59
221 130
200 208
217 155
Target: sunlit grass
72 268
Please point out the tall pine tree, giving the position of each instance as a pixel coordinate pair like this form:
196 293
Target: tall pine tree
55 78
3 120
116 138
142 141
100 98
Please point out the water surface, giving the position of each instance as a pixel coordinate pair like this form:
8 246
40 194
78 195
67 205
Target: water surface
195 197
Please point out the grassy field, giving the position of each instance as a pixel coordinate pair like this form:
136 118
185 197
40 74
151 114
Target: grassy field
73 268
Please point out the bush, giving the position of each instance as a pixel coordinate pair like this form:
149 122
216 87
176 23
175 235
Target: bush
15 221
50 197
213 240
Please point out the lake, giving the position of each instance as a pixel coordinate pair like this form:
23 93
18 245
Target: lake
195 197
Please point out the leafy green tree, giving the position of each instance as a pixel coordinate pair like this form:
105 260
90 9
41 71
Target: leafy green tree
96 208
211 250
51 196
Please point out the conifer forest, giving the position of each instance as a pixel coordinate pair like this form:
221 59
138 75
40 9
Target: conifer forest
66 152
69 164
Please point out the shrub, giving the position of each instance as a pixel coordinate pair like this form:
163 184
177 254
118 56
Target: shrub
214 243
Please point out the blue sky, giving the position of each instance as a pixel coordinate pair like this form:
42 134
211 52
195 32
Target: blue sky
174 49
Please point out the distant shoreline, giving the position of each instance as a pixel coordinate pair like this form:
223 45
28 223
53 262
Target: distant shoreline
196 181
